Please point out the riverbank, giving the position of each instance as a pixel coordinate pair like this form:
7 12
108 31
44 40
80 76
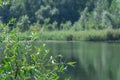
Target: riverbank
88 35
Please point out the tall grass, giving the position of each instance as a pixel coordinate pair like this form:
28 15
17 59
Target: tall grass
87 35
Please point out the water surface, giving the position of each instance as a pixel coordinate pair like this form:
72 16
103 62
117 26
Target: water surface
95 60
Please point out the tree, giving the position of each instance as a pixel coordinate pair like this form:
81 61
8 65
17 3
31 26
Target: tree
23 23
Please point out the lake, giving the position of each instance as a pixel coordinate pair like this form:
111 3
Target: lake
95 60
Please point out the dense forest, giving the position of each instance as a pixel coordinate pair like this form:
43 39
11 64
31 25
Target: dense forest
50 15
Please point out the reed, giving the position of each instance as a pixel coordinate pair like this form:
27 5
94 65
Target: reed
87 35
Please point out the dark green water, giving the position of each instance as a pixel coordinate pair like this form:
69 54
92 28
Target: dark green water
95 60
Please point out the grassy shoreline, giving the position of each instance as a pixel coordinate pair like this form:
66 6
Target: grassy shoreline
88 35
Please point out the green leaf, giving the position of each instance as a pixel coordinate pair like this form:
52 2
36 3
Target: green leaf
0 1
71 63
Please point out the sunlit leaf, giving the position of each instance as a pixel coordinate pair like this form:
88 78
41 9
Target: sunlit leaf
71 63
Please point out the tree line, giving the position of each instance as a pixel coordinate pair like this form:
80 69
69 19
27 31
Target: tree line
62 14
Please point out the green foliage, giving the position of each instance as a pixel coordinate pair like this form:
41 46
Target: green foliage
22 60
38 11
102 17
81 23
2 2
23 23
45 12
70 35
75 15
71 63
66 26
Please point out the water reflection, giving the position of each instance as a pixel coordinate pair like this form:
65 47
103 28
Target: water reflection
95 60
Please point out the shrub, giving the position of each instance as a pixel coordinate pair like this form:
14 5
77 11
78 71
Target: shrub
23 23
22 60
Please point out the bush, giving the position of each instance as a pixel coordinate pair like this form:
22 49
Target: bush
22 60
23 23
